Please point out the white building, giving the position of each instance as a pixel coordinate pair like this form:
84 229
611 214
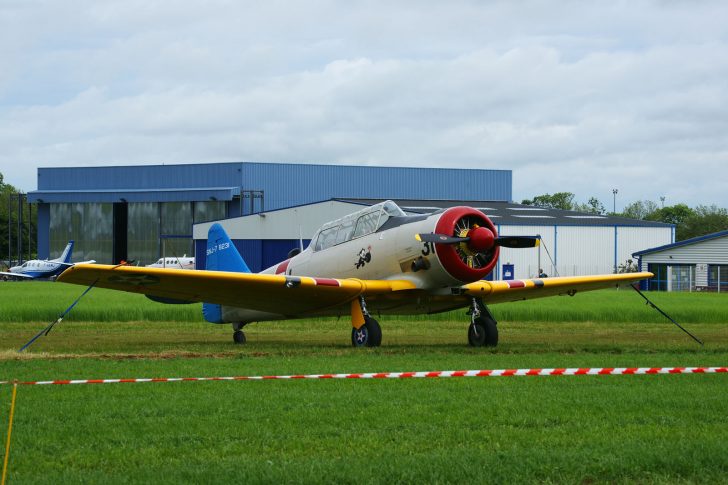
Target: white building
697 264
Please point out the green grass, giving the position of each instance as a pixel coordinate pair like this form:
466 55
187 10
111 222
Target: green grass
588 429
32 301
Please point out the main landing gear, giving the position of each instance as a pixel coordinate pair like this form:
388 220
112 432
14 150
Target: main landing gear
483 330
369 334
238 334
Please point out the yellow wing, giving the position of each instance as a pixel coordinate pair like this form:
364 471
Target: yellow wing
514 290
279 294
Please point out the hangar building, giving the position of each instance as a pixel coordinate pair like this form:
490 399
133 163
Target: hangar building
573 243
697 264
143 212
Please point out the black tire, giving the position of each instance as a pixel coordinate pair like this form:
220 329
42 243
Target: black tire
239 337
483 333
368 335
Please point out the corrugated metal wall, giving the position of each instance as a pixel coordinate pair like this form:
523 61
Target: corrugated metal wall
141 177
526 261
633 239
579 250
712 251
287 185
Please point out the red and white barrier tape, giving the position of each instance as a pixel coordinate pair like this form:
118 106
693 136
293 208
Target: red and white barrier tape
576 371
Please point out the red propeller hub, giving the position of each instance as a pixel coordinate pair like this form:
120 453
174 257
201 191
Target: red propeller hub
481 239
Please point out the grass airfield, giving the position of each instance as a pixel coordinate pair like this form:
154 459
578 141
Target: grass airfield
586 429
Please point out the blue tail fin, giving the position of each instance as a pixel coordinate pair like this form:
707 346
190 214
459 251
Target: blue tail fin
221 256
221 252
66 256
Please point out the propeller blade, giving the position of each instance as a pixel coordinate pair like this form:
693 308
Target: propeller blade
517 241
440 238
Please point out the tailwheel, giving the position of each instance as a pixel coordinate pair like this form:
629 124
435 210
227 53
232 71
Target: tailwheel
368 335
239 337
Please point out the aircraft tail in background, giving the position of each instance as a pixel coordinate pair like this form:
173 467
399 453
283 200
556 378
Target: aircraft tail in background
221 256
66 255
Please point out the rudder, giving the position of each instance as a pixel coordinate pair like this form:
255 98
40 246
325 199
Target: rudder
221 256
66 255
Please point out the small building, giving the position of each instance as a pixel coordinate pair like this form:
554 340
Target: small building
697 264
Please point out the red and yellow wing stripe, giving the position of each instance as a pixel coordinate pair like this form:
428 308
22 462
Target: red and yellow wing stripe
514 290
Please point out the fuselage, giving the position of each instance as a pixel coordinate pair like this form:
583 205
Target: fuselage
37 268
184 262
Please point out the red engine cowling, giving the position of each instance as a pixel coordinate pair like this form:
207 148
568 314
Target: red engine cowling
472 260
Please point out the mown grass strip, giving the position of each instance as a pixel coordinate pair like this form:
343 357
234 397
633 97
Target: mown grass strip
39 301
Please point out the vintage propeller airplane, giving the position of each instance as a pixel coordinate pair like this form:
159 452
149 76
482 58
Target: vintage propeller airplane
375 261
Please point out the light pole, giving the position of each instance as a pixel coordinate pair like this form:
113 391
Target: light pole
662 201
614 205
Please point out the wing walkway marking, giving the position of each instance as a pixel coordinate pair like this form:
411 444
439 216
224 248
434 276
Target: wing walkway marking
573 371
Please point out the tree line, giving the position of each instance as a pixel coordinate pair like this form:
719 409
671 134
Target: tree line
689 221
9 231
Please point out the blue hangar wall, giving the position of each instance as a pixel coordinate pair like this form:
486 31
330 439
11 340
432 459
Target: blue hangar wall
101 203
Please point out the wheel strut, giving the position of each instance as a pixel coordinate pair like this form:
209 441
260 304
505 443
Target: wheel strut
483 329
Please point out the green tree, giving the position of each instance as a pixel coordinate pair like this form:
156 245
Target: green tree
704 220
642 209
4 192
674 214
9 211
560 200
593 206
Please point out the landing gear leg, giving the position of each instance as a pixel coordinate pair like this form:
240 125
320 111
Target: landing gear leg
238 334
483 330
369 334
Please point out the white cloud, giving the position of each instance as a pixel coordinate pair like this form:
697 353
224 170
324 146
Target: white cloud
577 96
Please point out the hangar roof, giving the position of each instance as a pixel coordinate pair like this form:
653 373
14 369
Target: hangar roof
509 213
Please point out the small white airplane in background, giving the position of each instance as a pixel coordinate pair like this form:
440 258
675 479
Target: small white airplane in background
378 260
43 268
174 263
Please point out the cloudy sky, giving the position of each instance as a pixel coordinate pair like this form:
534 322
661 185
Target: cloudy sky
572 96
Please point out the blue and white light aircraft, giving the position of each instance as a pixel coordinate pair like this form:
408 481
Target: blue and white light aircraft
42 268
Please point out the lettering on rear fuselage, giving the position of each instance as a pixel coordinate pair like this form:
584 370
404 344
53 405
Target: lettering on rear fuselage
219 247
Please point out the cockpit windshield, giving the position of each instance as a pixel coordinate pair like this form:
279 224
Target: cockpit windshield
361 223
